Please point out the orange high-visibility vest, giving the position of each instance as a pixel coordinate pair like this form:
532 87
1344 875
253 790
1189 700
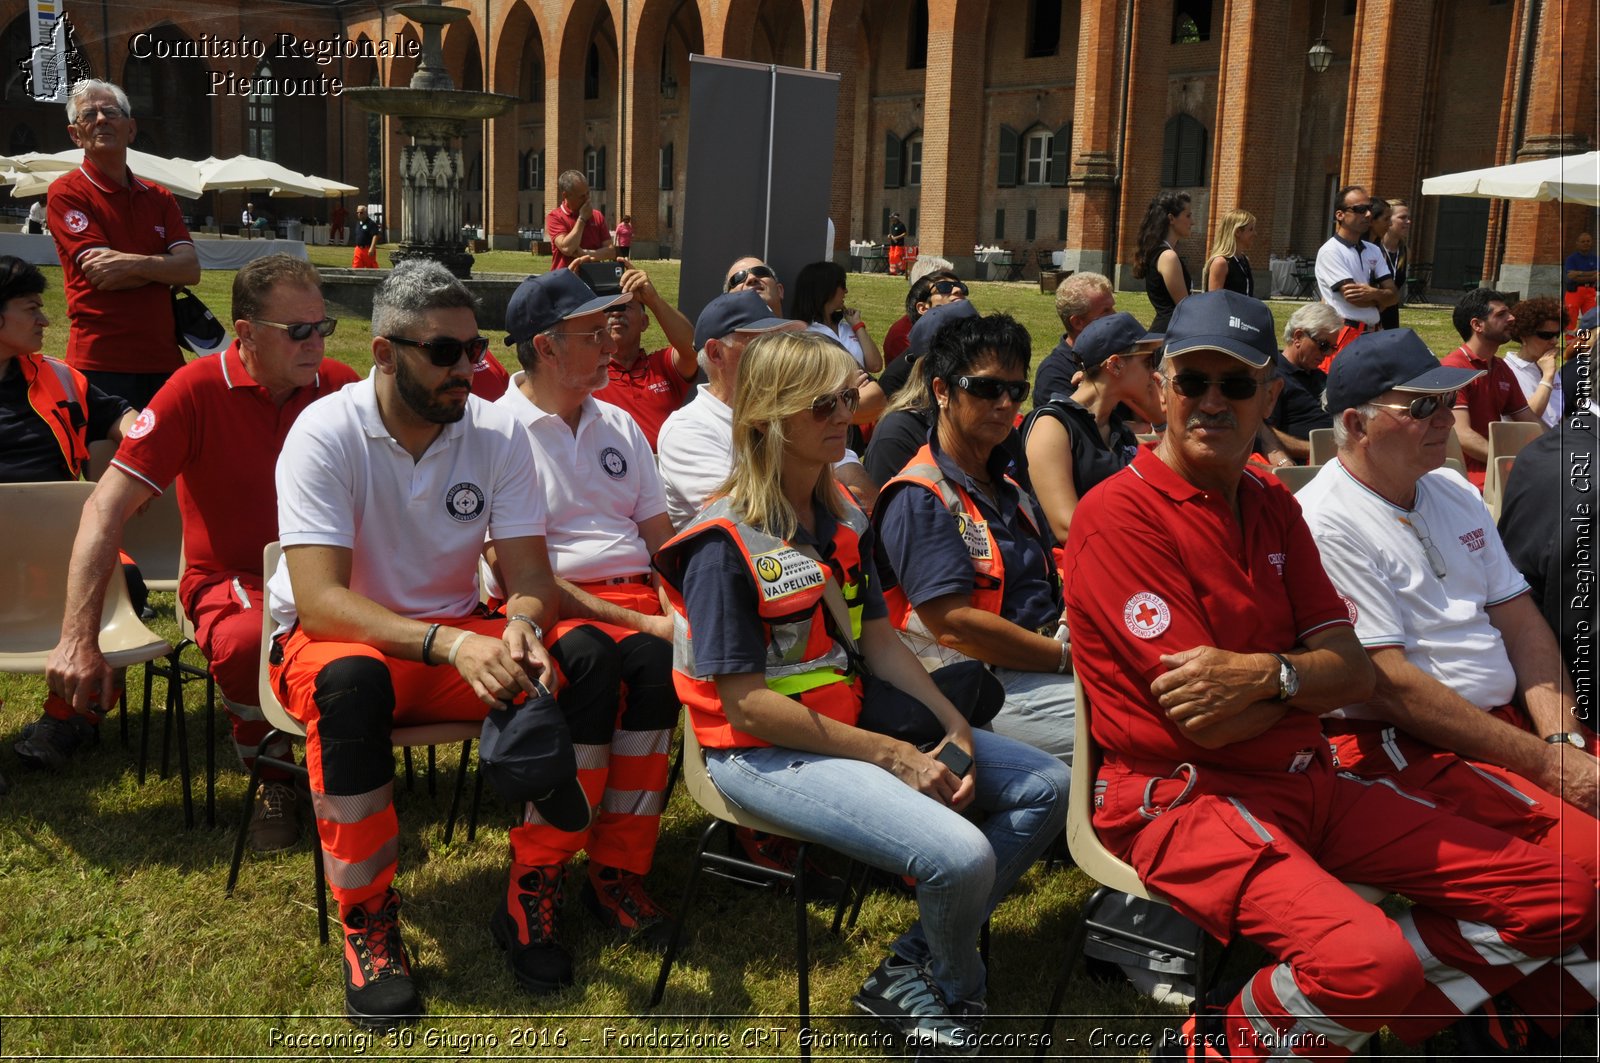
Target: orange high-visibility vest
60 397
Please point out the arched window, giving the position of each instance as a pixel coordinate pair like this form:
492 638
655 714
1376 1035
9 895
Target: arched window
1183 153
259 114
1191 21
591 74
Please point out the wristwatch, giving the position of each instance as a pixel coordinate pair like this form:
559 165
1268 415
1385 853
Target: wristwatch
1571 738
1288 679
538 632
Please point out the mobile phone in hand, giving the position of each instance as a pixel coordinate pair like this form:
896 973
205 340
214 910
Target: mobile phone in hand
603 278
955 758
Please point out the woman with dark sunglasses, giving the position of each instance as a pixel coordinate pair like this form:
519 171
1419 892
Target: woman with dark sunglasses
964 549
1537 363
774 697
1308 338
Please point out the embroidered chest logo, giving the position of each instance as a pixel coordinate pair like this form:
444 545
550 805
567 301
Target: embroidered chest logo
1277 559
1350 607
77 220
1146 615
142 425
975 534
464 502
161 231
1474 540
785 571
612 461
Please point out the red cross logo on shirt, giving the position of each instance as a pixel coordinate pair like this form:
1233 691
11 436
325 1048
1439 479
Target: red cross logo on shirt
1146 615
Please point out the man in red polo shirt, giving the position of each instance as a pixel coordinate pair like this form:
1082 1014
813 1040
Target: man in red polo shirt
1209 641
217 428
1484 322
573 228
122 244
649 386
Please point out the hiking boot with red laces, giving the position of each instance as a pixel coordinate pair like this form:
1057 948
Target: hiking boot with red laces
528 928
378 991
777 853
618 899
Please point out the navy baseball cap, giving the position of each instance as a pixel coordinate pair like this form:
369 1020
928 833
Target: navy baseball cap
1109 335
737 311
542 302
1394 359
527 755
932 321
1235 324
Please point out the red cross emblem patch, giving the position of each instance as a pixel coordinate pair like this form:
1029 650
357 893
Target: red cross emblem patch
1146 615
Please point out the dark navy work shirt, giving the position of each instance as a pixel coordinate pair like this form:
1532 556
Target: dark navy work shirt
1299 407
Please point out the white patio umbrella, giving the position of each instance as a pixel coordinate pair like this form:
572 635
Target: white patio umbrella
38 171
331 189
1567 178
246 172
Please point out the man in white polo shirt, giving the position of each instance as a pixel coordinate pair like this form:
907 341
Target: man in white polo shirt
387 493
1353 276
606 516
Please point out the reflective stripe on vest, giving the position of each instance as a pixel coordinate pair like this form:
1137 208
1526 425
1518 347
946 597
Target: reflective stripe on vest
60 397
802 655
988 566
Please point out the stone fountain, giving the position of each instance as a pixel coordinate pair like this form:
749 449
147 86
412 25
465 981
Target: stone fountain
435 115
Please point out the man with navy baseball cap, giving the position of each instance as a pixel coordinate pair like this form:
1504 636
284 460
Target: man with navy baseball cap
1209 641
541 303
1449 624
1115 334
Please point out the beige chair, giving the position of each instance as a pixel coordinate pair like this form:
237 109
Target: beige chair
1506 440
286 726
1452 449
1109 870
1322 447
1456 465
1294 477
38 524
153 538
725 817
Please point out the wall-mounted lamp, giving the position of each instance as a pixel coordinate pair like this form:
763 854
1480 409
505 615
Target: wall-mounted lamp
1320 55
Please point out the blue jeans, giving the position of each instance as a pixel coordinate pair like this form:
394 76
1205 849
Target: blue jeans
1038 711
962 869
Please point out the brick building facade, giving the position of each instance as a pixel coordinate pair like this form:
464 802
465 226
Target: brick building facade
1034 124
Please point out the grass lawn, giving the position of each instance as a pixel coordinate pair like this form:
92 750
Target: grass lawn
117 941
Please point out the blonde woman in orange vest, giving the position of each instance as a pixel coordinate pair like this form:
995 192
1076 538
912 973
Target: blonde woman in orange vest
775 693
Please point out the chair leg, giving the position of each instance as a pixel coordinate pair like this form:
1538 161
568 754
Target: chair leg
802 960
320 878
249 809
477 797
433 769
166 728
176 714
211 750
455 795
682 917
144 725
1069 964
411 779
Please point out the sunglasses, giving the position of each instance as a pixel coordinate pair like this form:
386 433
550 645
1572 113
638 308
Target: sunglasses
1358 208
445 353
1420 408
823 406
1419 528
759 272
1547 335
990 388
1322 345
301 331
1233 388
950 288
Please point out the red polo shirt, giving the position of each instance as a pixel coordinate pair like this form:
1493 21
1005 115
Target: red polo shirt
649 390
1156 566
490 379
218 433
1489 398
128 331
558 223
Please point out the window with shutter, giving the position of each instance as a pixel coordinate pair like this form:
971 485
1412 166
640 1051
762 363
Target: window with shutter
1030 224
999 225
1037 152
911 159
666 166
1061 156
1007 169
891 161
1183 153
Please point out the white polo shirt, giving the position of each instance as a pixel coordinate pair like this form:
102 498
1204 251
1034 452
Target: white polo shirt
1381 568
415 529
1338 261
599 483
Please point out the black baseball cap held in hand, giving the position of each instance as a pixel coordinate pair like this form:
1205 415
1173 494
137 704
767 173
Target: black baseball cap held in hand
526 754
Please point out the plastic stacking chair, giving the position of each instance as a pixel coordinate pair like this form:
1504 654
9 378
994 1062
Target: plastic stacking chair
1322 448
725 817
286 726
38 524
1506 440
1107 869
153 538
1294 477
